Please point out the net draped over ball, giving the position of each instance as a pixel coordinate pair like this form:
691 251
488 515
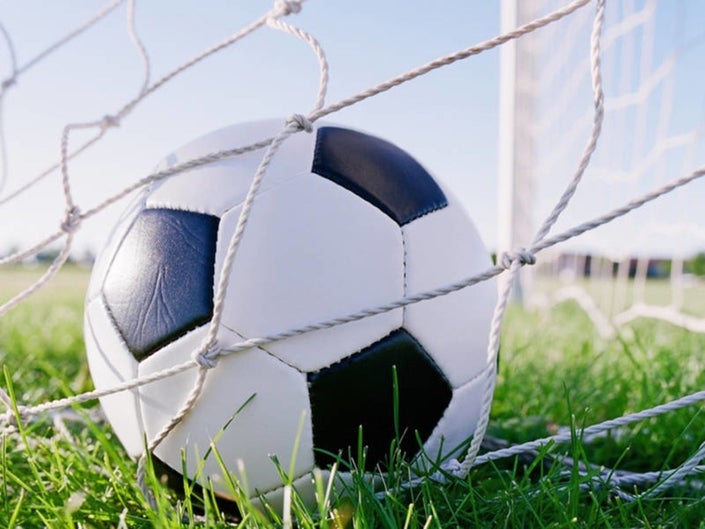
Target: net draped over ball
343 221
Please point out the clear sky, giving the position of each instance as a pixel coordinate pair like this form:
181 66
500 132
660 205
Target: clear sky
448 119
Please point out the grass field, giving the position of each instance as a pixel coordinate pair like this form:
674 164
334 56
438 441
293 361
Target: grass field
554 372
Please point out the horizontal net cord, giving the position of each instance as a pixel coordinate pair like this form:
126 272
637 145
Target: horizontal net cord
153 177
597 476
450 59
16 71
108 121
69 36
618 212
31 251
349 101
41 176
48 274
594 429
365 313
127 108
317 112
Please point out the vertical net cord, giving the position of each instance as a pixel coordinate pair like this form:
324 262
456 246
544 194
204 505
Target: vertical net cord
206 356
7 83
72 219
450 59
490 372
514 262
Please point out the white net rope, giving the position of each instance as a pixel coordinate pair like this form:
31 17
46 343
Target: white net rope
648 54
207 355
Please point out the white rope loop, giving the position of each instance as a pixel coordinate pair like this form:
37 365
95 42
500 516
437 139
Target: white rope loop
521 256
317 50
300 122
283 8
207 357
108 121
72 220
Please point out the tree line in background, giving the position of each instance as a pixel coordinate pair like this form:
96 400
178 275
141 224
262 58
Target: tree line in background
656 267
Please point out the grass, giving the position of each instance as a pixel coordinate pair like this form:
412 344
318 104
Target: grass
555 372
614 295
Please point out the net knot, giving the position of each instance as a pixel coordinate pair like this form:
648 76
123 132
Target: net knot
287 7
72 220
109 121
301 122
207 357
9 82
523 256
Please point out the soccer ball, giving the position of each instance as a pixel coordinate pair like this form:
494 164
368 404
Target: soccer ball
343 222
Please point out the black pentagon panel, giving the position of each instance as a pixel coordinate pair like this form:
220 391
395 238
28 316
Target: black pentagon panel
160 283
377 171
360 391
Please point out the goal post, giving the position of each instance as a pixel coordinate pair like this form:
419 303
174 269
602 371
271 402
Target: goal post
514 189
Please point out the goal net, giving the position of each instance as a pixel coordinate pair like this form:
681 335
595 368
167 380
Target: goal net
646 264
602 112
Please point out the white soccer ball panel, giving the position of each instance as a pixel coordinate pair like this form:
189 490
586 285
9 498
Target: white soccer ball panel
229 179
268 424
110 364
312 251
441 248
457 424
230 137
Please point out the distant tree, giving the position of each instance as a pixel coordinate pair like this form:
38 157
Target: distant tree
696 265
49 255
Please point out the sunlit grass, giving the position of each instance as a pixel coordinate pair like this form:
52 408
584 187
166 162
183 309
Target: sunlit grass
555 372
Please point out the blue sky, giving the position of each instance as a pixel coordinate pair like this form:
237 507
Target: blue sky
447 120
